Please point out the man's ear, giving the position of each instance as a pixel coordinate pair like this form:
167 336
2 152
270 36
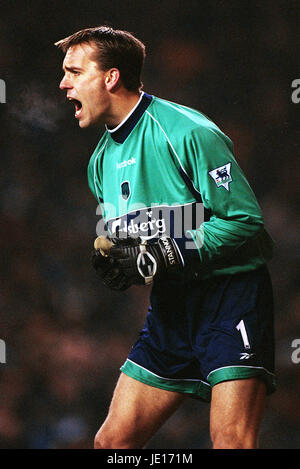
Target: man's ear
112 79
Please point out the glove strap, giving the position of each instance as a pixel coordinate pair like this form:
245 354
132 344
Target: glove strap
171 254
146 264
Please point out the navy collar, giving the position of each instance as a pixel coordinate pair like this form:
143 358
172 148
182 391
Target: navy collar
121 132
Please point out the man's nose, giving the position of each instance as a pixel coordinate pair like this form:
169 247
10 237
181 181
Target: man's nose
65 83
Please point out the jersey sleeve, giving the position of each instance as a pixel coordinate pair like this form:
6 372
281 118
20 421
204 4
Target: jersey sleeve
90 176
94 173
235 214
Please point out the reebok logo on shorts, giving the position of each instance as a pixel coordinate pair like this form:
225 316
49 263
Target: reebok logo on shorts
246 356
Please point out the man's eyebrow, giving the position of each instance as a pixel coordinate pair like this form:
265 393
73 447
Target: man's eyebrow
71 69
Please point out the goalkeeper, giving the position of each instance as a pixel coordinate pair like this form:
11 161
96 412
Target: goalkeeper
209 329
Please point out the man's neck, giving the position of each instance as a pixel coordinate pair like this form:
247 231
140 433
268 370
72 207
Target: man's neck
122 107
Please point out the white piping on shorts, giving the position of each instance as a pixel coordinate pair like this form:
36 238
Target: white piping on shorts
169 379
240 366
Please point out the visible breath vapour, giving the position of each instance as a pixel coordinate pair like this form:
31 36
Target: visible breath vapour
38 109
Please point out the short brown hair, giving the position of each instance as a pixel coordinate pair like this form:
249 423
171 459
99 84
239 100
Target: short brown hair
114 48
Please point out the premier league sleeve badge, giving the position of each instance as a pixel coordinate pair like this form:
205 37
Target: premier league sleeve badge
222 176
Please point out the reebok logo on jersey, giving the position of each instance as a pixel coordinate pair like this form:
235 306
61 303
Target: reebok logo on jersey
126 163
222 176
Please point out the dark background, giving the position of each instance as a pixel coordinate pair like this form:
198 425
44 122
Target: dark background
65 334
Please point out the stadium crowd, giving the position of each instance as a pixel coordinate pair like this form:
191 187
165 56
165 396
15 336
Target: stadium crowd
67 335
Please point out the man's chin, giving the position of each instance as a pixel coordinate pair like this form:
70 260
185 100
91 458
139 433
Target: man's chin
83 123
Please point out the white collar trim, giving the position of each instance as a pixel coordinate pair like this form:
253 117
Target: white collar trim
127 117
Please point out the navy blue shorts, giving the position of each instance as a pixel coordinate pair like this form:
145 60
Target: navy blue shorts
201 334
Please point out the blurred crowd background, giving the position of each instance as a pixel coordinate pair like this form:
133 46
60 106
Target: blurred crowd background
66 335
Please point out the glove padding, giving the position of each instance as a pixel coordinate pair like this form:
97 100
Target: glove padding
106 267
131 261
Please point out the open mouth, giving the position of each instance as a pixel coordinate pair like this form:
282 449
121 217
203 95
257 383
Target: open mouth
78 106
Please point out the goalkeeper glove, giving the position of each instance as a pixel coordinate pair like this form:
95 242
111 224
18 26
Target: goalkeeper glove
109 272
134 262
106 267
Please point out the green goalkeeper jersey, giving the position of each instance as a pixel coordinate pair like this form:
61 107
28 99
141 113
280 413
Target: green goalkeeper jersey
152 173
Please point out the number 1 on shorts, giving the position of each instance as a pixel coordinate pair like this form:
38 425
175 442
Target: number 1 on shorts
241 327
